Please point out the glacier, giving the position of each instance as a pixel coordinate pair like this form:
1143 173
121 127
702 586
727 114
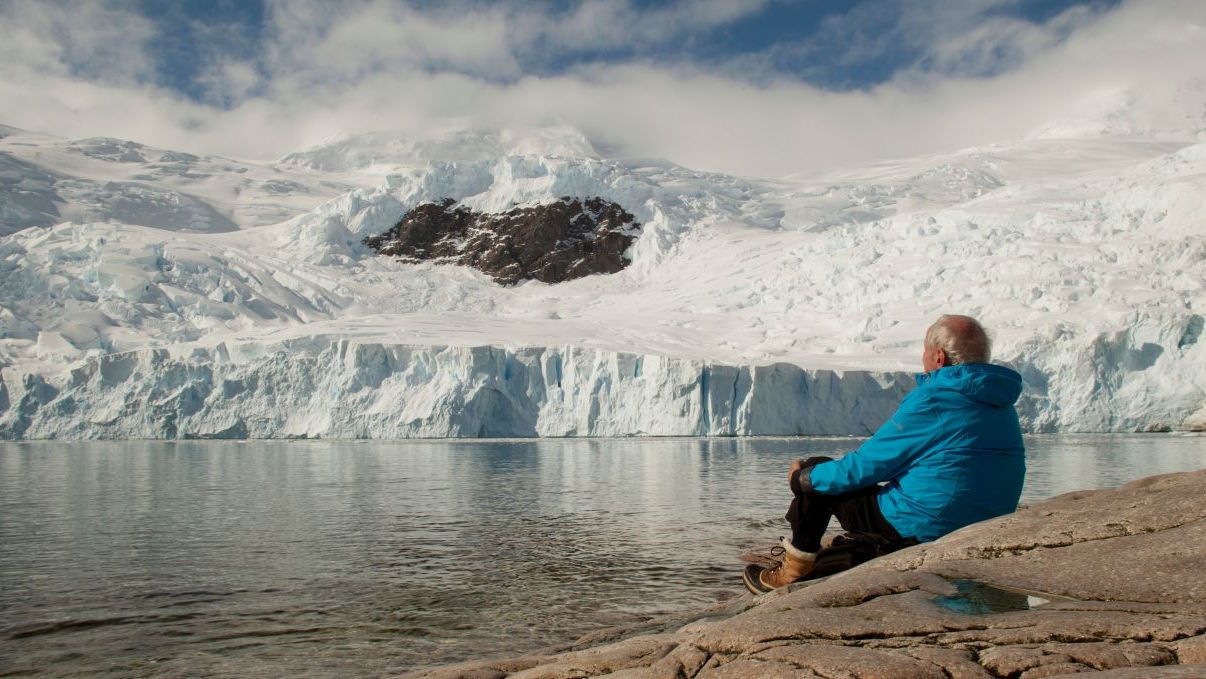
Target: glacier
753 306
338 388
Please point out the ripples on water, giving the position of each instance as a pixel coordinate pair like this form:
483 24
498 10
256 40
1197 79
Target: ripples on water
349 558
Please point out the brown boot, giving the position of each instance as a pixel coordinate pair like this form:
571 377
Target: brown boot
795 565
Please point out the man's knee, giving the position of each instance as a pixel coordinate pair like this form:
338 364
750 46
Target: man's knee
800 483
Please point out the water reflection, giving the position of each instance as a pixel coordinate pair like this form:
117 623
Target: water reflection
328 558
1060 464
977 598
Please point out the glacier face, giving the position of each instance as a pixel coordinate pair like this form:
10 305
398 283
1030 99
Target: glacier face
752 306
347 389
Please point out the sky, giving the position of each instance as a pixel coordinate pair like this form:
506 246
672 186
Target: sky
755 87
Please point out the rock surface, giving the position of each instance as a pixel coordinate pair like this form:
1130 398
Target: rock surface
553 243
1104 581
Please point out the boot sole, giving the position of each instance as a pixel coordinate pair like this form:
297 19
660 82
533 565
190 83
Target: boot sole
751 577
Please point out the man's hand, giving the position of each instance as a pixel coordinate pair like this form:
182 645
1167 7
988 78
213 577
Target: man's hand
801 465
795 469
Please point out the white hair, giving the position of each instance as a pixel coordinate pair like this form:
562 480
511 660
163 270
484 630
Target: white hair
962 338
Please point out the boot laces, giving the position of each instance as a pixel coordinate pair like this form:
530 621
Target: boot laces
771 557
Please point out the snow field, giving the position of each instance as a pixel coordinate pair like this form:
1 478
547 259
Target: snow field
787 306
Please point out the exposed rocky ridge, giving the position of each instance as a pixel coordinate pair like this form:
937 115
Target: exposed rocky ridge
552 243
1106 581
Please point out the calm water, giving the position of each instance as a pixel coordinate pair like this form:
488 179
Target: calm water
338 558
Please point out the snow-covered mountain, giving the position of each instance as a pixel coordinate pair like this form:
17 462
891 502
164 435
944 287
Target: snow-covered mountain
148 293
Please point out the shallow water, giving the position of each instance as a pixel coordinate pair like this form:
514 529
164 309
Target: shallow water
336 558
977 598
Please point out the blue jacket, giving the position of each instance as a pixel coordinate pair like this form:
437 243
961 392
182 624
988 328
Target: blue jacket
952 454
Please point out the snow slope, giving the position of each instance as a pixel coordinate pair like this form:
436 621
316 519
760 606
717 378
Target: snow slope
753 306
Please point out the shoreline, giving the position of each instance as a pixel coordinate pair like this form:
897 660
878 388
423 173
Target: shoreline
1092 581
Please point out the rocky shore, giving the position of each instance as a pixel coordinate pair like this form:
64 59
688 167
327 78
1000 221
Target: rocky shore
1110 582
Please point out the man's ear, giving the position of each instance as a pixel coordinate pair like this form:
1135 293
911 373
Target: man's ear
940 357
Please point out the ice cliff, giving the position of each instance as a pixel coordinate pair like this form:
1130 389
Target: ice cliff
346 389
751 306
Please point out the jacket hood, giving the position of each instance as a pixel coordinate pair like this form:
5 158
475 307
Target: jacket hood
995 385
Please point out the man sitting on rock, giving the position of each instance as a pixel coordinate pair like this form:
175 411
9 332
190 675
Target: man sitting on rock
950 456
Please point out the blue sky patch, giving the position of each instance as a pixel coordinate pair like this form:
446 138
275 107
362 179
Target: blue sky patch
835 45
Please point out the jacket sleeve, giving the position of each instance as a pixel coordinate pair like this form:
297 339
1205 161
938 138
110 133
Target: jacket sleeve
911 431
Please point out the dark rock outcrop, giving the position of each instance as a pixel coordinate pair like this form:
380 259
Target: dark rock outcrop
1103 581
557 242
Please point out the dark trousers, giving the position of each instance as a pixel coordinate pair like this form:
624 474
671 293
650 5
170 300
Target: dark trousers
857 511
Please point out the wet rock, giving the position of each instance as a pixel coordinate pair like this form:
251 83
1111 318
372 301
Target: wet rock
487 669
553 243
636 652
1104 583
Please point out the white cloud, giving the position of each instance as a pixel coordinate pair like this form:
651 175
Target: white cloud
999 42
377 65
597 25
101 41
340 41
226 81
314 40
